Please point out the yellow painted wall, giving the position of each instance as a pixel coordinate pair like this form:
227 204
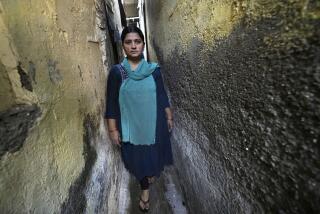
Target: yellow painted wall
51 37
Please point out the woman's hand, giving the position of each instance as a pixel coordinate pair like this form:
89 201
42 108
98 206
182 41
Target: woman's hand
113 131
169 117
170 124
115 137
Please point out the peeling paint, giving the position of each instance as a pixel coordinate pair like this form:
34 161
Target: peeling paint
15 124
24 79
54 72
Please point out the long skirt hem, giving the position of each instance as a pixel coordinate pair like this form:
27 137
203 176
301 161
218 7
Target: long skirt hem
146 160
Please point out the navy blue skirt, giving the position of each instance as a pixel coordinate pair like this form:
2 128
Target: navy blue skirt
146 160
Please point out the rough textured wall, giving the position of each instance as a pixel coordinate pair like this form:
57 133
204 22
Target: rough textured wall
54 153
244 80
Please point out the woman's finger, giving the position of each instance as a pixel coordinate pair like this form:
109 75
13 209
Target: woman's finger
115 138
118 142
170 125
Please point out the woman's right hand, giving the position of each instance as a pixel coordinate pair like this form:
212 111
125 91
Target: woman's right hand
115 137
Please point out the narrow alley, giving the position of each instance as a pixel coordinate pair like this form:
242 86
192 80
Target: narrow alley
243 80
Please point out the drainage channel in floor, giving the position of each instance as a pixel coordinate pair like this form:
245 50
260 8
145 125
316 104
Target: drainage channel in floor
174 197
165 195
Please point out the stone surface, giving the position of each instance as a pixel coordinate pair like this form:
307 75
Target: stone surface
244 81
54 57
76 201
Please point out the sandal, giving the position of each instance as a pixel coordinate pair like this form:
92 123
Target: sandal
145 204
151 179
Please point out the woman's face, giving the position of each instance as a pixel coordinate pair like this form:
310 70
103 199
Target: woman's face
133 45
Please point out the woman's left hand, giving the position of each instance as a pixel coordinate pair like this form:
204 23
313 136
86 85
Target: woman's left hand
169 117
170 124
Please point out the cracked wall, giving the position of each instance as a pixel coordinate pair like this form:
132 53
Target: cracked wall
244 81
52 90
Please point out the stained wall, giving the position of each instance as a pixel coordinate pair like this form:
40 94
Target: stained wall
54 57
244 82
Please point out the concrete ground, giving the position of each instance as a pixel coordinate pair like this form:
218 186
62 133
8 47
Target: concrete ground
165 195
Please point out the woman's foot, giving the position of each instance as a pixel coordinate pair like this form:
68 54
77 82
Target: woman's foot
144 201
144 205
151 179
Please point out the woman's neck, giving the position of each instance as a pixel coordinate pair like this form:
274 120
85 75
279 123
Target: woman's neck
134 62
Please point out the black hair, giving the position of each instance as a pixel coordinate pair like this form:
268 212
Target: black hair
131 29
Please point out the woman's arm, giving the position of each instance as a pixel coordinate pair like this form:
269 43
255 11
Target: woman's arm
164 99
113 131
169 117
112 105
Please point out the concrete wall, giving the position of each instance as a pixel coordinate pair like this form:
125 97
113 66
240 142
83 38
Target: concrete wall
244 81
55 155
131 10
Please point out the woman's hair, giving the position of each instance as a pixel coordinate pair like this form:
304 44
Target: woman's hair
131 29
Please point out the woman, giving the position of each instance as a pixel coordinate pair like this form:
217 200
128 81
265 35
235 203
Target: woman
138 113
